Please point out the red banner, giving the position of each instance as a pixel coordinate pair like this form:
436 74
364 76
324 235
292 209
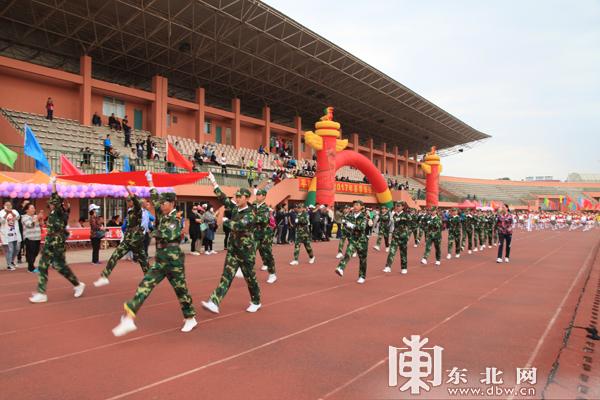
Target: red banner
340 187
83 234
137 178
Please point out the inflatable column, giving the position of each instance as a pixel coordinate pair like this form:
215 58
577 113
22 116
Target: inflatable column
433 168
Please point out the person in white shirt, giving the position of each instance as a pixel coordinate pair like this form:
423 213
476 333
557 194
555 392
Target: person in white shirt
10 234
223 162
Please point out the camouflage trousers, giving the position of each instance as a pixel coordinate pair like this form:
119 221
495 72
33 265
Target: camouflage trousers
243 258
53 255
169 264
478 238
402 245
385 235
454 239
417 234
467 236
490 236
265 249
436 239
305 240
359 246
343 240
139 254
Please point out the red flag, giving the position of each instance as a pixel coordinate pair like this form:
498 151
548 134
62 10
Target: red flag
176 158
67 167
138 178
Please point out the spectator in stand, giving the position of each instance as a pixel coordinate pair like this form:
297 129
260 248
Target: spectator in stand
112 121
213 158
32 235
127 132
261 149
81 222
9 234
86 154
198 157
110 159
114 222
139 147
243 163
97 232
149 147
259 165
133 161
49 109
107 144
96 121
154 151
223 162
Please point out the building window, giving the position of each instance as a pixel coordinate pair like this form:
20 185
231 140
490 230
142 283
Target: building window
227 135
207 125
168 120
110 105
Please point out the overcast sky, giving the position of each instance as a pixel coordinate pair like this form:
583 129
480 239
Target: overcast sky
525 72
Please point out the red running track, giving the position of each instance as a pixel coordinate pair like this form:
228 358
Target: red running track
317 336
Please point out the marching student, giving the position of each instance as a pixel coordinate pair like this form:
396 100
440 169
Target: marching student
454 234
356 225
384 229
263 234
433 234
402 223
169 264
303 235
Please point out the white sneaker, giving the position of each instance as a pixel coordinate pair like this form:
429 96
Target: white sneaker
354 255
102 281
294 262
189 324
489 247
470 252
404 271
339 255
264 268
210 306
194 253
38 298
438 263
499 260
457 256
387 269
213 252
475 249
207 253
312 260
481 248
339 271
387 250
239 273
253 307
79 289
125 326
505 259
361 280
449 256
272 278
377 247
423 261
415 245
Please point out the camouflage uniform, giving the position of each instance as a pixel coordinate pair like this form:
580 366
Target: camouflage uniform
416 229
303 235
403 222
478 230
467 234
454 234
263 236
433 233
490 221
384 228
343 233
358 242
132 241
53 253
169 261
241 249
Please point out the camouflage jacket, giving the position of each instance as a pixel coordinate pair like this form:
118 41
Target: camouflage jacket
403 223
134 229
241 224
433 224
384 221
469 221
56 225
168 227
454 224
302 226
262 214
360 225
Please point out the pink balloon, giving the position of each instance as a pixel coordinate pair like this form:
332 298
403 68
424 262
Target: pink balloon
92 194
13 195
26 195
18 188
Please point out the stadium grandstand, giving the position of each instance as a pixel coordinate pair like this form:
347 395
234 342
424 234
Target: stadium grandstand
233 78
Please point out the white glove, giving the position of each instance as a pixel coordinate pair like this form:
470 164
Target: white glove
148 175
350 225
53 179
296 221
343 221
225 219
212 179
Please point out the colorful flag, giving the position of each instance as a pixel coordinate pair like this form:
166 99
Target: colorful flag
176 158
33 149
138 178
67 167
7 156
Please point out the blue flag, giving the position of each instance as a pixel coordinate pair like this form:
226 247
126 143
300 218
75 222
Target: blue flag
33 149
126 167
